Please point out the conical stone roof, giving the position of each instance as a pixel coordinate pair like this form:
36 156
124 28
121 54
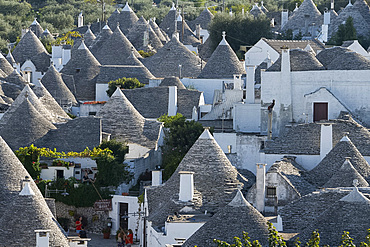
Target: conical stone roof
223 63
333 161
5 66
327 56
28 47
113 19
363 8
27 93
307 10
10 58
166 61
172 81
345 176
136 36
256 11
16 78
157 31
189 36
46 35
49 102
239 214
24 126
349 61
116 49
53 82
36 28
127 18
29 212
11 91
89 36
104 35
125 123
168 22
212 170
203 19
84 68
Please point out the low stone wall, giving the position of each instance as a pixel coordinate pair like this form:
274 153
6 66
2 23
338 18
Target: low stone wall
94 221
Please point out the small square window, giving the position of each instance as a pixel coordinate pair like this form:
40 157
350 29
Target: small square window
271 192
78 70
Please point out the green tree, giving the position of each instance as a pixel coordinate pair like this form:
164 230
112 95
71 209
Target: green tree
314 241
123 83
30 158
180 135
346 241
345 32
367 240
240 30
111 169
275 240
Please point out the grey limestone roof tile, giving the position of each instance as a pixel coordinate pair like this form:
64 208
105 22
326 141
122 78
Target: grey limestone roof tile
203 19
28 47
158 31
337 218
333 162
172 81
54 83
347 43
113 72
36 28
349 61
345 176
205 50
153 102
223 63
70 83
89 36
305 138
47 35
49 102
307 11
257 75
95 27
263 8
125 123
300 60
168 21
327 56
117 43
166 61
113 19
24 126
215 181
84 68
10 58
294 44
127 18
27 93
16 78
137 33
256 11
363 8
230 221
22 214
104 35
73 136
11 91
5 66
41 61
189 37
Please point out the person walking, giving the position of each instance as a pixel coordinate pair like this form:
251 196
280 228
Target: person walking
129 238
78 225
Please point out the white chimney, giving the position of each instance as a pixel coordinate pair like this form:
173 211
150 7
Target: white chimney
186 186
324 31
42 238
194 114
285 60
26 188
326 17
66 55
332 4
80 21
250 83
326 139
172 101
146 38
156 177
197 30
260 187
284 17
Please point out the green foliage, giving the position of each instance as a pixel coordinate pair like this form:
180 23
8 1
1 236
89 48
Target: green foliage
274 238
123 83
240 30
346 241
345 32
111 169
180 135
30 158
146 54
314 241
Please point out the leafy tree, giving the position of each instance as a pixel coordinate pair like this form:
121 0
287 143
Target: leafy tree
111 169
146 54
367 240
238 242
346 241
240 30
123 83
275 240
314 241
345 32
30 158
180 135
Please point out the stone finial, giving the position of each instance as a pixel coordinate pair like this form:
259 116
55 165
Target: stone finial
355 182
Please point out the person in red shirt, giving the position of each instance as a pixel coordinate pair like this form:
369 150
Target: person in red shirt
78 225
129 238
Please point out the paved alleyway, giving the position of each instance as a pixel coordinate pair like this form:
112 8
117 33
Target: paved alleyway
97 240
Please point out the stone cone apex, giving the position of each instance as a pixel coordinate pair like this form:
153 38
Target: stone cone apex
83 46
239 200
355 196
206 135
127 8
10 58
5 66
28 46
345 138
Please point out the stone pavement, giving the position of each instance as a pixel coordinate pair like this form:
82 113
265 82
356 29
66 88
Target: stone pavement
97 240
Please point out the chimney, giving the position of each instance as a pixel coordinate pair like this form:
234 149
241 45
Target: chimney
172 101
326 139
156 177
324 31
326 17
66 54
194 114
260 187
197 30
306 23
42 238
26 188
250 83
285 60
186 186
332 4
146 37
80 21
284 17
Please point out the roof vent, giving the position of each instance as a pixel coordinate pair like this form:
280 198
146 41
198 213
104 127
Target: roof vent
26 191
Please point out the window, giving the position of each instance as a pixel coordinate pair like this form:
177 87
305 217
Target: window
320 111
78 70
271 192
92 113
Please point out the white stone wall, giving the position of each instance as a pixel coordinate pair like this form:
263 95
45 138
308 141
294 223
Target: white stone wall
259 52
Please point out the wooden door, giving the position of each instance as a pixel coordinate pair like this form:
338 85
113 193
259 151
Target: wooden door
123 213
320 111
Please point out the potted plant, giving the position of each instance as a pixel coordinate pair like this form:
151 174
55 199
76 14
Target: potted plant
106 232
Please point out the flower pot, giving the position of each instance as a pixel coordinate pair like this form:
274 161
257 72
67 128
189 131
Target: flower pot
106 235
